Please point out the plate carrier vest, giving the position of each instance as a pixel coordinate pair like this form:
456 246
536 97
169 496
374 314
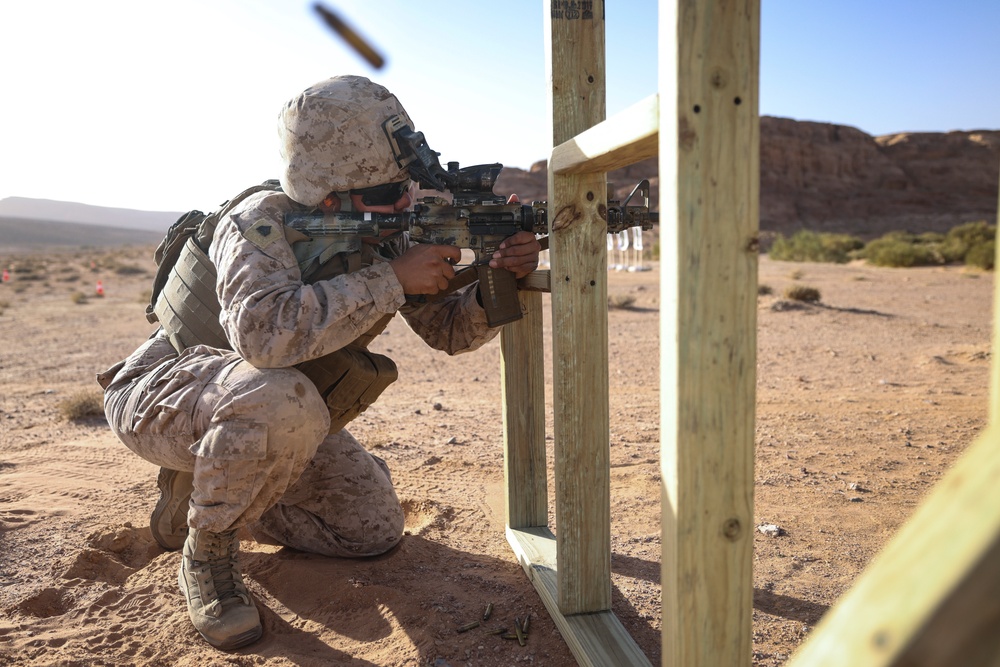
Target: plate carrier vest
185 304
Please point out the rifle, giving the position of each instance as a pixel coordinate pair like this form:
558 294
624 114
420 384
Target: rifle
476 218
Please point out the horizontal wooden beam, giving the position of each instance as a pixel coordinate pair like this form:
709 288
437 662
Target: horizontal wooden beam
628 137
932 596
596 639
536 281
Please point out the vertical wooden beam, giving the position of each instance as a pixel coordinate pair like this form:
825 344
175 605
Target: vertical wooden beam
709 180
522 372
995 363
578 241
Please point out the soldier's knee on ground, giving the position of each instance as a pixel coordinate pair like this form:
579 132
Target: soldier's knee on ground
374 529
391 533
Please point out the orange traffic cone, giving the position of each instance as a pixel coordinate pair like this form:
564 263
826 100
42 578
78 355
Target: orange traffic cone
100 288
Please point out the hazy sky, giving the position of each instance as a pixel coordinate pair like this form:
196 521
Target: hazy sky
172 106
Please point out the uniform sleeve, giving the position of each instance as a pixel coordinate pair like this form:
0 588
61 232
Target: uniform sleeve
271 317
454 324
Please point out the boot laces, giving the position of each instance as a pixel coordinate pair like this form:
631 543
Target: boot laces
220 552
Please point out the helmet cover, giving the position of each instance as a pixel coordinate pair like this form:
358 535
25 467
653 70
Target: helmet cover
331 139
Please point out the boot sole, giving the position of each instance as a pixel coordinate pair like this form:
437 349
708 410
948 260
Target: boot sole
231 644
239 641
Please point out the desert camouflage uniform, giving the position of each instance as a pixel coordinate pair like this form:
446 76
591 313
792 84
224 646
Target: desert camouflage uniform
252 429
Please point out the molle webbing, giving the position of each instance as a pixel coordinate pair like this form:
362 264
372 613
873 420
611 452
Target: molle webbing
349 380
193 225
188 307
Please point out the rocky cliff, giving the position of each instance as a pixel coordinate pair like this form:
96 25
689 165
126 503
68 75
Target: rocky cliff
837 178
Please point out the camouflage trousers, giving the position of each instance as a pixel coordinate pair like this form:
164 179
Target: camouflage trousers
257 443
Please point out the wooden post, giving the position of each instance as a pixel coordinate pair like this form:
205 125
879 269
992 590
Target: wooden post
995 366
709 182
578 241
522 372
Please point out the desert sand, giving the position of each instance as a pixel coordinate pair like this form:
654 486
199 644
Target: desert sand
863 402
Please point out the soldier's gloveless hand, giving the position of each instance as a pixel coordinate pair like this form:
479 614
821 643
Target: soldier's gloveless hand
518 254
426 268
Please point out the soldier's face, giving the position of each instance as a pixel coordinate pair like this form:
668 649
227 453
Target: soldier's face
385 198
332 204
401 204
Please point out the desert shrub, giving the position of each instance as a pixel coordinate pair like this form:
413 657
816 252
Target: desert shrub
27 267
808 246
930 237
982 255
764 290
83 404
972 233
621 301
900 249
79 298
114 263
129 270
802 293
963 239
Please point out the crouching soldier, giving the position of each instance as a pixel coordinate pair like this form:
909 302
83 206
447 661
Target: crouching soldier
241 396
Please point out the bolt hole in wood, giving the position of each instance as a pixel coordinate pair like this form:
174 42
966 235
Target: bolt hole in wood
590 196
697 108
737 101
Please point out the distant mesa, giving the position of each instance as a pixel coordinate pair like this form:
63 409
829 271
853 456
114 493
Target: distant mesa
26 223
837 178
817 176
85 214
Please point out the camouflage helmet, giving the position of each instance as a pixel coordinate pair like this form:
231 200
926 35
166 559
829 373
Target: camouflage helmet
332 139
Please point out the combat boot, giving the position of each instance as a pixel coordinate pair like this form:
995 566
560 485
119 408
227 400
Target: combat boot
218 603
168 521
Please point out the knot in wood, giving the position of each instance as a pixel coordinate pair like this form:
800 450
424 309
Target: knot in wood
732 529
686 135
719 78
881 639
566 217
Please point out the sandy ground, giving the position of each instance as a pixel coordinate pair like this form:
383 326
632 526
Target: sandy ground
864 400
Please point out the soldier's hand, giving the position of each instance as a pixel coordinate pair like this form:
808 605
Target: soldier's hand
426 268
518 254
